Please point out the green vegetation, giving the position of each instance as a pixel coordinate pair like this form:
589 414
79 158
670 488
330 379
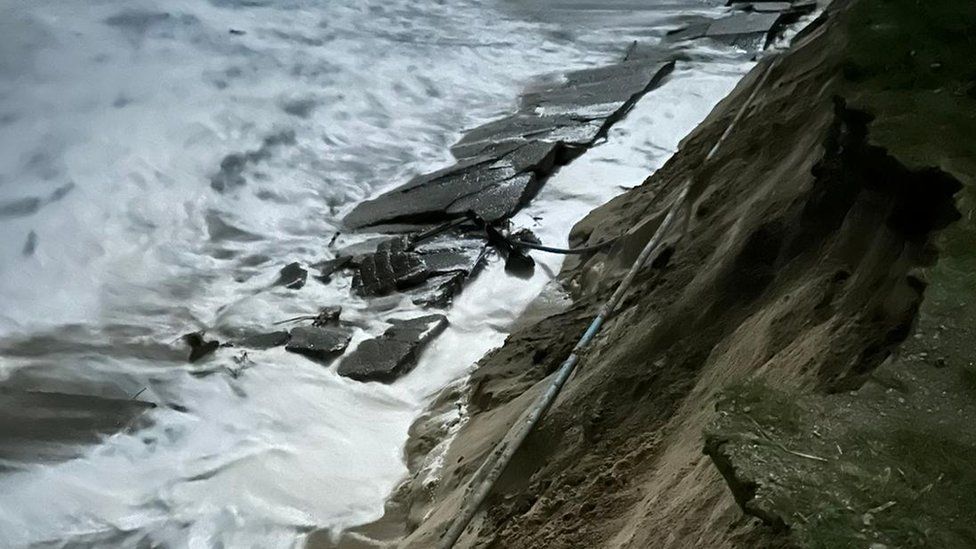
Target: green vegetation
911 64
846 471
772 411
890 465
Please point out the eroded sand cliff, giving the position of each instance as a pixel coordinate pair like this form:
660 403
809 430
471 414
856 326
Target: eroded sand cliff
814 319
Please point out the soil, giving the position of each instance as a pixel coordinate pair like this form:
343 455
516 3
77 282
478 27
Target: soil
832 233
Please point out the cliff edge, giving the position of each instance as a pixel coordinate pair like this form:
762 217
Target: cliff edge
796 368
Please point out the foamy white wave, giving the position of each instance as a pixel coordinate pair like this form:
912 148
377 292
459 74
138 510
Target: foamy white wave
133 106
167 167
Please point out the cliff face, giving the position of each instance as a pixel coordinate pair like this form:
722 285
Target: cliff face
831 235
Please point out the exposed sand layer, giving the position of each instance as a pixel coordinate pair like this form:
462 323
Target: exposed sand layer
828 228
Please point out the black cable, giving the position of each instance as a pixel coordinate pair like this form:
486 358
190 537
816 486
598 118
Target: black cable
497 236
564 251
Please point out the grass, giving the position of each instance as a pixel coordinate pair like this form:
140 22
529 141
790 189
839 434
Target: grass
898 469
910 63
889 472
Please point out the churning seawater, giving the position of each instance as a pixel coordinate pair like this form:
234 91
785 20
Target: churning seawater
161 160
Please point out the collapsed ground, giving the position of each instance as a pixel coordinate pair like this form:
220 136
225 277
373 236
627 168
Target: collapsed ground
802 353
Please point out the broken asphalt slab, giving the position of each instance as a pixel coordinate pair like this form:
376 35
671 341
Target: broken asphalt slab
503 164
752 28
264 341
394 353
429 198
743 26
317 342
291 276
396 265
45 426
